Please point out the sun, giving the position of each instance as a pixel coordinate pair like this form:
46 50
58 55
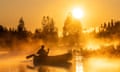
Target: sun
77 13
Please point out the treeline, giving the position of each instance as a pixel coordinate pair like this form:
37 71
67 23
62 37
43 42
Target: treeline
109 40
47 33
109 30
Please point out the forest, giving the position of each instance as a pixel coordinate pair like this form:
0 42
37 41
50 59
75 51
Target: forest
72 37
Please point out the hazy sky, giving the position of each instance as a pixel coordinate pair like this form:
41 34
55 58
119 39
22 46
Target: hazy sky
96 11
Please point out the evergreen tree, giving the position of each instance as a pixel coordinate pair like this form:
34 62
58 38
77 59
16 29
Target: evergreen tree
21 25
49 31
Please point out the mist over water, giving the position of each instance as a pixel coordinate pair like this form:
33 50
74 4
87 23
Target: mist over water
79 64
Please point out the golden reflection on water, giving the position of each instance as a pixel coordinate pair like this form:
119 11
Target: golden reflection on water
79 67
78 64
93 64
97 64
102 65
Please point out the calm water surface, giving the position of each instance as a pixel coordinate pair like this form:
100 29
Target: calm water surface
78 64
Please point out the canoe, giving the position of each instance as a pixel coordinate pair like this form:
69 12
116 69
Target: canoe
52 60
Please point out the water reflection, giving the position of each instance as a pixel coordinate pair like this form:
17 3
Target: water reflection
51 69
79 67
19 65
93 64
97 64
24 68
78 64
48 67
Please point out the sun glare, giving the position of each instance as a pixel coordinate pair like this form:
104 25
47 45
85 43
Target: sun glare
77 13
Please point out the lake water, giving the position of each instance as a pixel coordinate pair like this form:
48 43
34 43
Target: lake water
78 64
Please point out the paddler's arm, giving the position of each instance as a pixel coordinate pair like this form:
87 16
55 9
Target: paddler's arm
48 51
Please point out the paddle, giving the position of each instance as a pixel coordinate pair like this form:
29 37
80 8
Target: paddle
29 56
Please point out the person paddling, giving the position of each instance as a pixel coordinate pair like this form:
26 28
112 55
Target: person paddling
42 52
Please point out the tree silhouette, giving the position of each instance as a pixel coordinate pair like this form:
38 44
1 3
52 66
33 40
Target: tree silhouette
22 33
49 31
1 28
21 25
110 30
72 31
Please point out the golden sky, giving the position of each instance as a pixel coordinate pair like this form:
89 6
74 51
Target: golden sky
95 11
